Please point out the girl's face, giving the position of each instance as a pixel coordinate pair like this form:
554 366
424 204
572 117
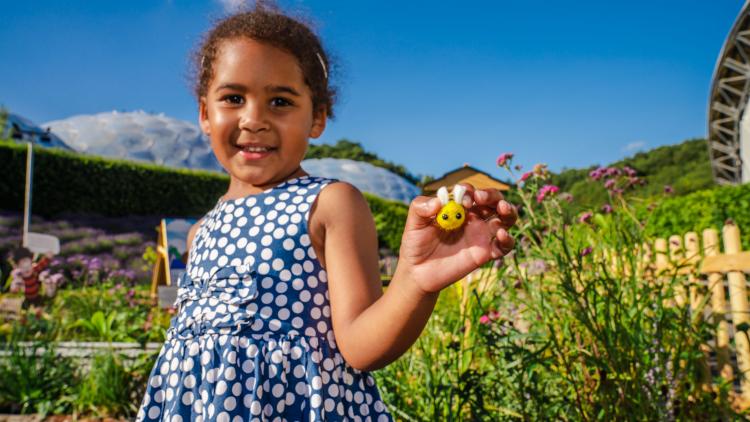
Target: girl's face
258 113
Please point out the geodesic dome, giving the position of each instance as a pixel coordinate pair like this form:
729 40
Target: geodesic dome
139 136
365 176
172 142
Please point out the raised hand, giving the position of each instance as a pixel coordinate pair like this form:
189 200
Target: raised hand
433 258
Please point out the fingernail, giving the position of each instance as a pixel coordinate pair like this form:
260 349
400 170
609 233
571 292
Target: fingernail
481 195
504 207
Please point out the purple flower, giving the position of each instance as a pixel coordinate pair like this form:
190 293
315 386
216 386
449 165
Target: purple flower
504 159
546 190
597 173
629 171
586 251
606 209
586 217
668 189
609 184
612 172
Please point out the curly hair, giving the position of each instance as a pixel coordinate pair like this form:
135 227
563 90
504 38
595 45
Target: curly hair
266 23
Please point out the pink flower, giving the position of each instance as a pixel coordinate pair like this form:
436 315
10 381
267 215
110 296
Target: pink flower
609 184
586 251
606 209
585 217
494 315
525 176
545 191
597 173
668 189
504 159
484 319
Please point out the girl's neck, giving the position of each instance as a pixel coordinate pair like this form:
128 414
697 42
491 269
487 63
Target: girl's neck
240 189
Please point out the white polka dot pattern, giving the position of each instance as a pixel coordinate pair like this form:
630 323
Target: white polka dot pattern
252 338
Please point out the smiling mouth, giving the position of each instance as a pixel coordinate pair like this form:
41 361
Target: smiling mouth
255 149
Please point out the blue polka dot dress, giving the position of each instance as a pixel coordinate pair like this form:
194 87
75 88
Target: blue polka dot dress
252 339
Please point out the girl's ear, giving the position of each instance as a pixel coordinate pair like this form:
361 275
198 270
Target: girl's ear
203 116
319 123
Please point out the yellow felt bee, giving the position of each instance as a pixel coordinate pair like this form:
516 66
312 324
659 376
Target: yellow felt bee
453 215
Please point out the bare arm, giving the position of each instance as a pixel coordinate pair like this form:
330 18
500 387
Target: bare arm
373 329
191 236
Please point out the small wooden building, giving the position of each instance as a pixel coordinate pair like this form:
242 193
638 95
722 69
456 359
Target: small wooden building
465 174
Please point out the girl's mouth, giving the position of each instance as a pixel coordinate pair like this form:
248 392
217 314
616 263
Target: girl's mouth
255 152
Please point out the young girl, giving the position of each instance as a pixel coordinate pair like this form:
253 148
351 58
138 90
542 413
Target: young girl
281 311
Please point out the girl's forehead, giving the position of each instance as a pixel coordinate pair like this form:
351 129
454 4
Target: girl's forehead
248 59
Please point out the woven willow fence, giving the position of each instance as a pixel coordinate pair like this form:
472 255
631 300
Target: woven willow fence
716 269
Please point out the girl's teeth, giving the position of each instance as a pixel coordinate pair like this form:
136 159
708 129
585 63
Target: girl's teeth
256 149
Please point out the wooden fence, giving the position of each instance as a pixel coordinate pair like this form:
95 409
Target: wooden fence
722 276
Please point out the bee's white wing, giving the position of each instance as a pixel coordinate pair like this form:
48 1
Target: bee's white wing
458 193
442 194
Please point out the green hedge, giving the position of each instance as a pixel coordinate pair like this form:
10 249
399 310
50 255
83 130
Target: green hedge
66 182
709 208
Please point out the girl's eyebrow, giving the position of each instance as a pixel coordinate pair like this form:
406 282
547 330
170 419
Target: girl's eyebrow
236 87
282 89
270 88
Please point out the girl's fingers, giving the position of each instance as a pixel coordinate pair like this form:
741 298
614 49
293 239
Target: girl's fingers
507 213
487 197
505 241
422 211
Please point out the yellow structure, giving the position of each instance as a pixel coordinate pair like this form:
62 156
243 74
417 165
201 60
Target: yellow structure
160 275
465 174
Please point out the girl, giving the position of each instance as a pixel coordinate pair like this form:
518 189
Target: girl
281 311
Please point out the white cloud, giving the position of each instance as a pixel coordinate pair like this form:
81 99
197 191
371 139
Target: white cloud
634 146
232 5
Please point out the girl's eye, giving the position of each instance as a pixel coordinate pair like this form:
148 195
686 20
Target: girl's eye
233 99
280 102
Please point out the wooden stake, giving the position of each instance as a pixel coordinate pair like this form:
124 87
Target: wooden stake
740 308
718 307
692 252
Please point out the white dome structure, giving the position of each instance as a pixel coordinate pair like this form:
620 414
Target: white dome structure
167 141
139 136
365 176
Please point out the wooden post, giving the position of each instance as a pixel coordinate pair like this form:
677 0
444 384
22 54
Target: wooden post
692 252
676 256
28 191
645 265
692 257
718 307
662 264
740 308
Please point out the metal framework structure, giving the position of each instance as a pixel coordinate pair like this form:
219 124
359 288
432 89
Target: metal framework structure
728 135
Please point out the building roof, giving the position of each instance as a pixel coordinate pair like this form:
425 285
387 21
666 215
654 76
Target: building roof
465 174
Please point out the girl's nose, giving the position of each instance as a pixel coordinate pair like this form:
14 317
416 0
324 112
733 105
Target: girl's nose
253 118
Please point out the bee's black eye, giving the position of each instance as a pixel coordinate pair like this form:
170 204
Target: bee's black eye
445 216
458 216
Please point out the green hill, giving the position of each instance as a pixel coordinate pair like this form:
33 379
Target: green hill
685 167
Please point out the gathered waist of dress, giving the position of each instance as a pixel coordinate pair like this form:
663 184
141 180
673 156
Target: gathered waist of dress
194 329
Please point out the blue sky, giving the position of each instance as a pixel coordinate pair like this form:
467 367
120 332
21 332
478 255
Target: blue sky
430 85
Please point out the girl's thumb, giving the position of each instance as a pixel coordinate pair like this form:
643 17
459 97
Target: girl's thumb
422 211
